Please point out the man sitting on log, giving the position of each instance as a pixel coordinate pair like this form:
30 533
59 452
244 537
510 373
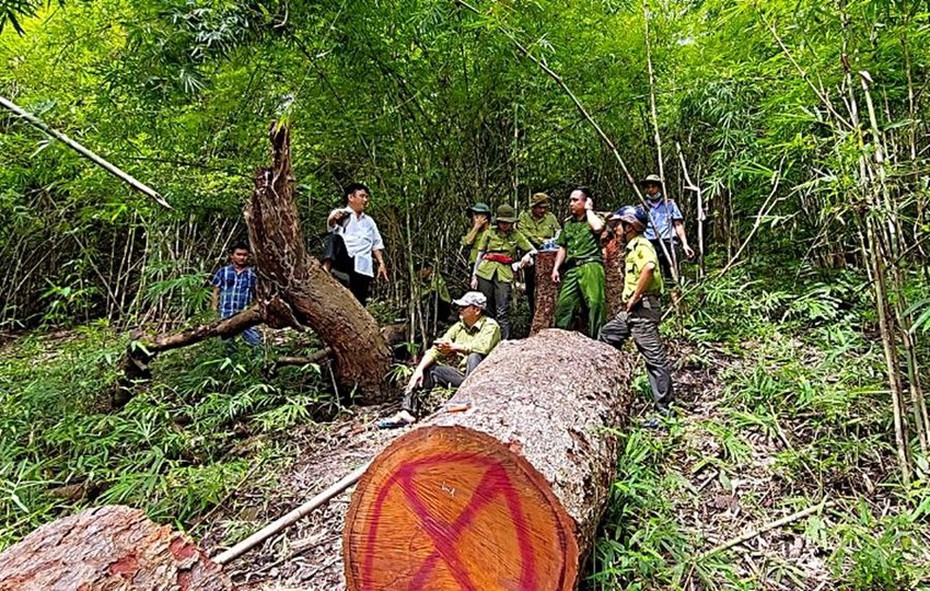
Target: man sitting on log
353 240
451 358
642 286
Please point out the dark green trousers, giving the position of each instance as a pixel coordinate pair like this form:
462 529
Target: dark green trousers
583 285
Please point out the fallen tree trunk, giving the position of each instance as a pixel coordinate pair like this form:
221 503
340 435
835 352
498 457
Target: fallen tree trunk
107 549
506 495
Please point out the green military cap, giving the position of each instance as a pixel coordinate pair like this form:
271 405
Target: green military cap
480 207
505 213
539 199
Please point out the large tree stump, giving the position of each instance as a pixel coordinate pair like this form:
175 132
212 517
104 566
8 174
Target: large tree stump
506 495
546 294
614 272
107 549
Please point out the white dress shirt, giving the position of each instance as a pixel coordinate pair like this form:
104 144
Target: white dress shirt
361 237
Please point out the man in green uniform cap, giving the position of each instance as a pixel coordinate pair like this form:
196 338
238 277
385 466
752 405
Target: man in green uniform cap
642 286
580 251
498 250
480 215
538 225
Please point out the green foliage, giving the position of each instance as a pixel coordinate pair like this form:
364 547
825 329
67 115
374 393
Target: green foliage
174 449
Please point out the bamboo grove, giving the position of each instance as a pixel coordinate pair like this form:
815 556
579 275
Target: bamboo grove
793 134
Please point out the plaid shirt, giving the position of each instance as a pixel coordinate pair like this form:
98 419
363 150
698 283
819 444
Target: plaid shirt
236 289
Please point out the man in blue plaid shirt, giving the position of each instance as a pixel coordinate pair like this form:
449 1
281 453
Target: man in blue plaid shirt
234 289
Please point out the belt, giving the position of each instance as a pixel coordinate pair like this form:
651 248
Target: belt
498 258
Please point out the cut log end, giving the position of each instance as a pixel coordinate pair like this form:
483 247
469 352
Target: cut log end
453 508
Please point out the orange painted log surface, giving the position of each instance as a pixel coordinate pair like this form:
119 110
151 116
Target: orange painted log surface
506 495
108 548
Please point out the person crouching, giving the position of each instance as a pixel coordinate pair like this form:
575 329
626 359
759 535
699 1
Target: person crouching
451 358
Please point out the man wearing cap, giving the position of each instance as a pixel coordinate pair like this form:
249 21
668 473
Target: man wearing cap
451 358
497 260
664 217
538 225
641 315
480 215
353 242
580 251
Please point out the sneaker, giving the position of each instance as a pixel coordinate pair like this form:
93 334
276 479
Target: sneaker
401 419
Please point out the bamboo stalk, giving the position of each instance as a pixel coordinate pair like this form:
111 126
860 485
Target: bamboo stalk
766 528
291 517
99 161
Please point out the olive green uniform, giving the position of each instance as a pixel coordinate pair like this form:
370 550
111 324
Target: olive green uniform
495 279
583 276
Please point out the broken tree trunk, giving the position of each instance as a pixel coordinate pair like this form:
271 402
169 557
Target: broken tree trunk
293 291
506 495
106 549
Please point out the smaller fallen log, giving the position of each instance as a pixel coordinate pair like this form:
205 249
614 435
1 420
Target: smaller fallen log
506 495
108 548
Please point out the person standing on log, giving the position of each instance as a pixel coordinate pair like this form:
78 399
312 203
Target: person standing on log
234 289
539 226
664 217
451 358
497 261
582 262
353 241
642 286
480 215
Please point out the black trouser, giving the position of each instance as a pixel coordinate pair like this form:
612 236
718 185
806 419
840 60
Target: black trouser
643 324
497 293
529 279
665 266
357 283
440 375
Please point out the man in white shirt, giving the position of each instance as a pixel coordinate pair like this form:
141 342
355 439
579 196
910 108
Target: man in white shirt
354 243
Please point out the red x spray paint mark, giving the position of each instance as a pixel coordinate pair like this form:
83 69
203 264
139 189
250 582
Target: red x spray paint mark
494 483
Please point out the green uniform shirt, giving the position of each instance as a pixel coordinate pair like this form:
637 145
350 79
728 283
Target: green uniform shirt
538 231
473 253
482 337
494 241
639 253
582 244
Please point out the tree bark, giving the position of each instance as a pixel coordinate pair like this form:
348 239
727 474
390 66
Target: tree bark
506 495
107 549
547 292
293 291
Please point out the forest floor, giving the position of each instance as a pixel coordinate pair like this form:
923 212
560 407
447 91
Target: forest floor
783 409
724 469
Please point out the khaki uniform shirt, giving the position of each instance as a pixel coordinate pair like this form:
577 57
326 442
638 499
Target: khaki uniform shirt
473 252
639 253
482 337
494 241
538 231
